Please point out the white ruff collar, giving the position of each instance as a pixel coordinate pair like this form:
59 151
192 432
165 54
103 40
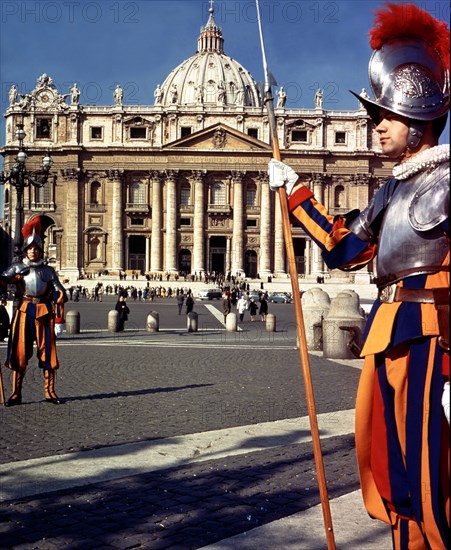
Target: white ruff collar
430 158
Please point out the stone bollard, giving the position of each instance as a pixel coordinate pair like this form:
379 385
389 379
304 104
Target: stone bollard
343 327
191 321
315 307
113 321
73 322
270 322
231 323
153 322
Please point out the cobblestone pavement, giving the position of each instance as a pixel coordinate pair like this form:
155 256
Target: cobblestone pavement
145 387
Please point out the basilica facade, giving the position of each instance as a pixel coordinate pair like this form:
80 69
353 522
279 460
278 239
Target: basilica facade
181 186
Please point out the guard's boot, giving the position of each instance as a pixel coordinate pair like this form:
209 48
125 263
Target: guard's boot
49 388
16 396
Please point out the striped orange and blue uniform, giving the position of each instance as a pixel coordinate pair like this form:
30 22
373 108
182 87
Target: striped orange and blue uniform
402 436
35 323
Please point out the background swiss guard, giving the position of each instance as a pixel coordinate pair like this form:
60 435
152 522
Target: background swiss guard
402 410
41 299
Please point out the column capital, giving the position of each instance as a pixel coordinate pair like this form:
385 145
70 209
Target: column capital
155 175
171 175
115 174
237 176
72 173
197 175
320 178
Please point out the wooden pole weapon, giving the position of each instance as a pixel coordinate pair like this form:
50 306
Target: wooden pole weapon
300 327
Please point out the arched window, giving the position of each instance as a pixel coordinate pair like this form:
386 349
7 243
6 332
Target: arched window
185 195
95 192
218 193
339 197
251 194
137 193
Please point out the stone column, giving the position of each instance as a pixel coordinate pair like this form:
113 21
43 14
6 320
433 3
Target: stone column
264 267
318 188
198 263
171 221
228 255
238 233
72 237
279 241
156 257
117 207
147 262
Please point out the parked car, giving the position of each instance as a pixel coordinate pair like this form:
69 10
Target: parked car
210 294
280 298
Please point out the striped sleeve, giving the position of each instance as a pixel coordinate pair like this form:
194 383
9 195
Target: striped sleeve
340 247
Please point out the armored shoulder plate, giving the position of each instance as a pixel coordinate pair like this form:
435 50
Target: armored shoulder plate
430 204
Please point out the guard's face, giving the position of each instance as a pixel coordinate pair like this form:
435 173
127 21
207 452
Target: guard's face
393 131
33 252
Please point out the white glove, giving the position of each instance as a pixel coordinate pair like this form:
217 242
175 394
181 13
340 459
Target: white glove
281 174
445 400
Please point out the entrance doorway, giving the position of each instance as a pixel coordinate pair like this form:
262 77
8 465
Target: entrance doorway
299 255
217 254
185 261
137 253
250 264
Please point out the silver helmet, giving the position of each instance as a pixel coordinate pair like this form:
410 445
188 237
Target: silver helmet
409 78
31 233
407 71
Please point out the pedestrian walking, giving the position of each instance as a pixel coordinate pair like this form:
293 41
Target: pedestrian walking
180 301
253 307
402 409
123 310
263 310
189 303
226 304
241 307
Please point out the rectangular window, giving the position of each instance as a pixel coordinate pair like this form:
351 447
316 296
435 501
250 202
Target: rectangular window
96 132
251 223
137 221
138 133
185 131
251 197
185 196
252 132
299 136
43 127
340 138
185 221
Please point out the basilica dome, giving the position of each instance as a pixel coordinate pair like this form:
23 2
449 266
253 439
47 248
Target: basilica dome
209 77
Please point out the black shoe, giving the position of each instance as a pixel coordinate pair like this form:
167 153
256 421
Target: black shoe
54 400
14 400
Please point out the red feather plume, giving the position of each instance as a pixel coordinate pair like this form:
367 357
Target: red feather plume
35 224
408 20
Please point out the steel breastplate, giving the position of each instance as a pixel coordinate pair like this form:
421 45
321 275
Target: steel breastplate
36 282
411 237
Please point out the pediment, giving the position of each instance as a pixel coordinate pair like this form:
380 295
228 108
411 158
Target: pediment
219 137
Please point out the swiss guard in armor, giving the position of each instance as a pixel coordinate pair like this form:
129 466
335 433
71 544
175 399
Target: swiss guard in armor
41 305
402 409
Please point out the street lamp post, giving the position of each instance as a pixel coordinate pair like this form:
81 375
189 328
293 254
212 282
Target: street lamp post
19 178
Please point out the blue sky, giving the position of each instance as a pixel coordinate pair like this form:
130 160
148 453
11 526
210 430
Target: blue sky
99 43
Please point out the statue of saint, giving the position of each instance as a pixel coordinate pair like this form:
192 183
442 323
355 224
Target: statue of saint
281 98
319 99
158 95
13 95
174 93
118 95
74 94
